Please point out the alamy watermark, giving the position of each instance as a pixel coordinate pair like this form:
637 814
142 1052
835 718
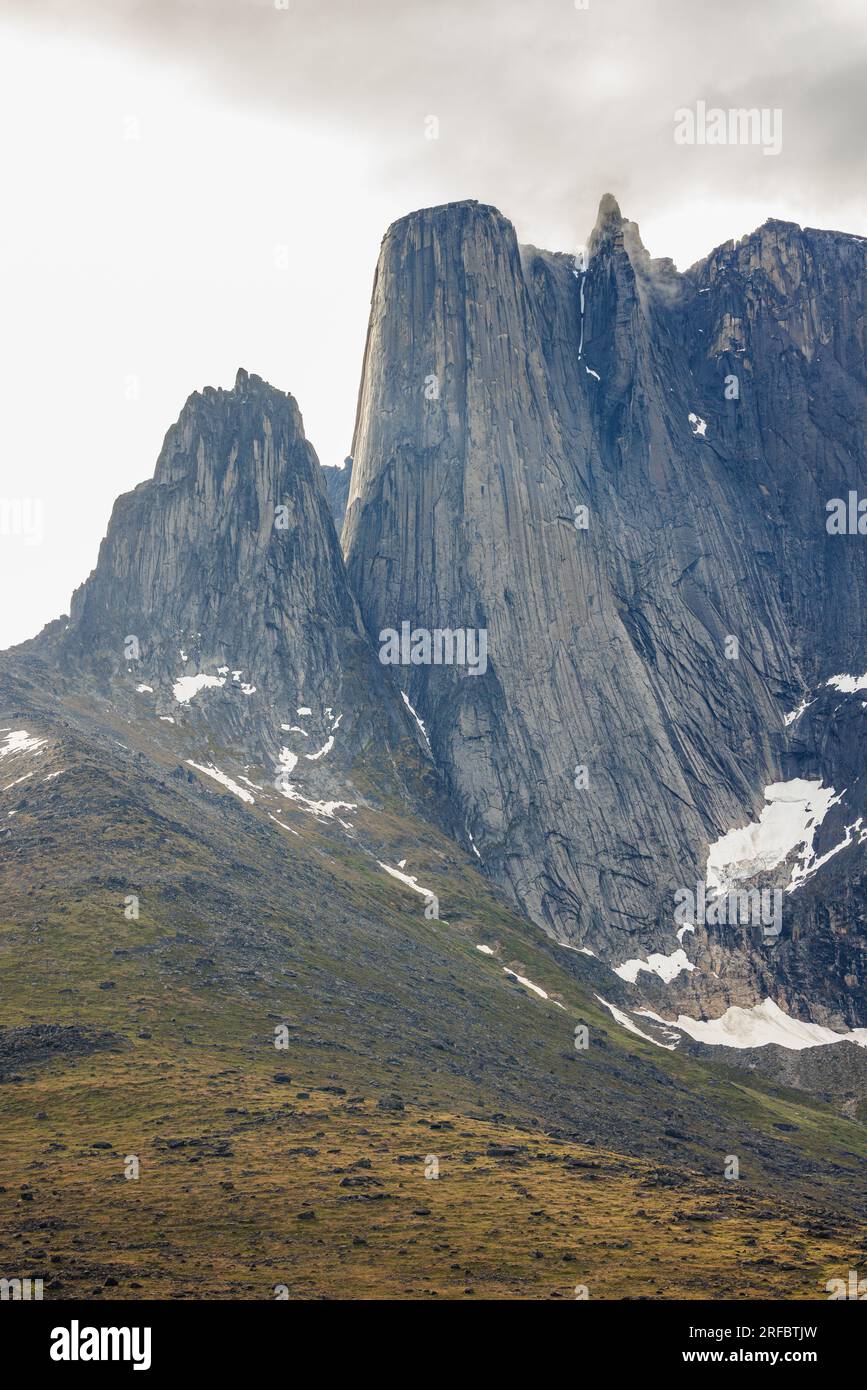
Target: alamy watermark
738 907
846 517
853 1287
439 646
737 126
20 1290
24 517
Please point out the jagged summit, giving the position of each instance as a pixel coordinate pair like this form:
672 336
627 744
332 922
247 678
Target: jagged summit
609 210
228 555
247 385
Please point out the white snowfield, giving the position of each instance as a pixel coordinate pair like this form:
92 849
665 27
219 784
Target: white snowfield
420 722
26 776
760 1025
699 426
786 824
283 826
326 748
19 741
287 760
320 809
848 684
409 879
210 771
528 984
796 713
626 1022
666 967
186 687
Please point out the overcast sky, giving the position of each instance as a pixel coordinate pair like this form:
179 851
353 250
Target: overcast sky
190 186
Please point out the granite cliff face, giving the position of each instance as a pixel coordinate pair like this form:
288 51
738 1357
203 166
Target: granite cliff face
337 483
219 618
622 474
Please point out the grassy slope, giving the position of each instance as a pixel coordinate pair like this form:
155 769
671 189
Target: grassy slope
616 1179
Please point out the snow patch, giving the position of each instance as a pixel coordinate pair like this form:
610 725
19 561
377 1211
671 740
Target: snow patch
485 950
210 771
409 879
626 1022
666 967
528 984
282 826
848 684
19 741
185 687
848 839
326 748
140 689
699 426
10 785
763 1024
287 760
796 808
317 808
796 713
419 722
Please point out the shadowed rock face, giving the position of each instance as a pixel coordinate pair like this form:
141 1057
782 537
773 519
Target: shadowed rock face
337 481
504 387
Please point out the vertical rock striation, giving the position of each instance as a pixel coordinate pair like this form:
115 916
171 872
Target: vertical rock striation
704 420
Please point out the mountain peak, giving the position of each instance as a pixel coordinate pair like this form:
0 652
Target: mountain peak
446 217
609 210
609 222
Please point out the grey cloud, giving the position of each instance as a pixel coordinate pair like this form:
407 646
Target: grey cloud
541 105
